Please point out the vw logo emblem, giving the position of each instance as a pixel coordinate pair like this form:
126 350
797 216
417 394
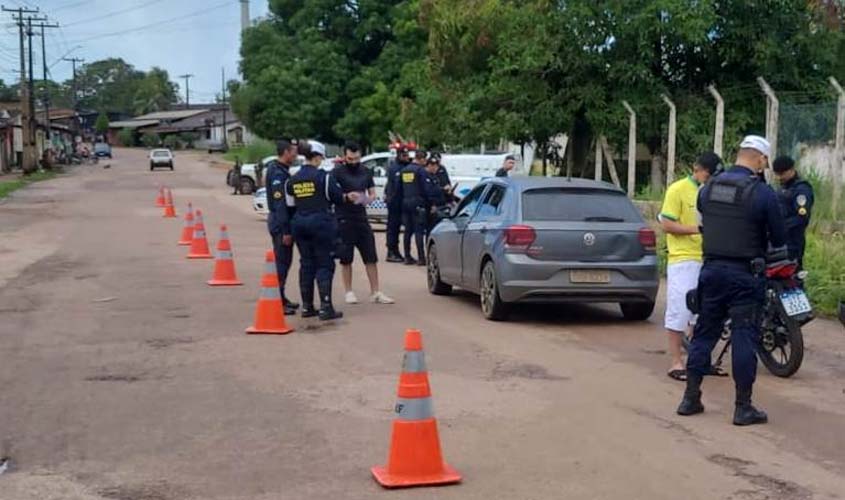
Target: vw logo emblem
589 239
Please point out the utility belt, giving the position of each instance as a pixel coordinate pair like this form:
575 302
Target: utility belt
755 266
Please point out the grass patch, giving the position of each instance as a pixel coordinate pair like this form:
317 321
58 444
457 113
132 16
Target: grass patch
824 260
251 153
13 184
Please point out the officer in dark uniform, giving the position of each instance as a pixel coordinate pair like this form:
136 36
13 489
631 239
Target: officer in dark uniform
313 192
442 175
236 177
414 203
278 221
796 201
436 196
393 198
259 174
741 219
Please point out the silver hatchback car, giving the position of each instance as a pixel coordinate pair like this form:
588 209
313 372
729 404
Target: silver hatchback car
535 239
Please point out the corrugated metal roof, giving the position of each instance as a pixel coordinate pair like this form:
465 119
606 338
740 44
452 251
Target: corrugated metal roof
133 123
171 115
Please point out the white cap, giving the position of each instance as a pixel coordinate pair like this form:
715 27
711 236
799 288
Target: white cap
317 147
757 143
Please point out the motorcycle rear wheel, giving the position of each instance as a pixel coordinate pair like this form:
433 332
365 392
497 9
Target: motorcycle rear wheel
782 352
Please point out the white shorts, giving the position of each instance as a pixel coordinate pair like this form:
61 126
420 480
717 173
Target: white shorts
681 277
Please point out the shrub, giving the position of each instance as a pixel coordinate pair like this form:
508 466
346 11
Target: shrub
126 137
173 142
188 139
252 153
151 140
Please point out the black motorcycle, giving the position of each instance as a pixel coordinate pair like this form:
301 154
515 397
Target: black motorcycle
785 311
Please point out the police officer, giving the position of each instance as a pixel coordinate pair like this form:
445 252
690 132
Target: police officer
796 201
436 196
313 192
414 203
236 177
393 198
442 176
278 221
740 219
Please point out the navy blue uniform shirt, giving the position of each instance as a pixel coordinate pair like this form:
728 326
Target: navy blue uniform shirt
278 221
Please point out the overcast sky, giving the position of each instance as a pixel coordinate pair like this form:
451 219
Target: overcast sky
182 36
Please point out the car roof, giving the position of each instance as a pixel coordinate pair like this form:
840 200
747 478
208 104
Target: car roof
160 150
526 182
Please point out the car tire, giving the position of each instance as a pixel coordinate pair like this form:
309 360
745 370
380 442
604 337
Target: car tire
435 284
247 185
637 311
171 166
492 305
152 166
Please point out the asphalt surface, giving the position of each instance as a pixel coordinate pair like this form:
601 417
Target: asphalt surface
123 376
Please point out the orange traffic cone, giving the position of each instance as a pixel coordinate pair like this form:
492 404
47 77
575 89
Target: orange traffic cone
169 209
269 312
199 244
188 228
224 266
415 458
160 199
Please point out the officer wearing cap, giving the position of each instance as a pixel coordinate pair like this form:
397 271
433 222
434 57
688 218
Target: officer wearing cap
393 198
414 203
278 221
436 196
313 192
741 219
796 201
442 175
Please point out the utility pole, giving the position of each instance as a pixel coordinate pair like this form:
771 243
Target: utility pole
187 89
225 108
28 160
719 133
46 92
673 131
73 61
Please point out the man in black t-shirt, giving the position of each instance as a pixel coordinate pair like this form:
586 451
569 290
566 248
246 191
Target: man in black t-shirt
358 187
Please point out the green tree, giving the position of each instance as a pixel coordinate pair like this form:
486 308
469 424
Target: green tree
109 84
102 123
150 140
155 92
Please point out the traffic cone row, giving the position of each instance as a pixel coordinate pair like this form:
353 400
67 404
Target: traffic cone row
169 209
415 457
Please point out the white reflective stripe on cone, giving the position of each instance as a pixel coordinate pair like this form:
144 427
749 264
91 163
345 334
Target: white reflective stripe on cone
270 268
270 293
413 408
224 254
413 362
224 235
199 234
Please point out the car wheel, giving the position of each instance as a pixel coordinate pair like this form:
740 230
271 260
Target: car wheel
171 166
247 186
637 311
435 284
152 166
492 305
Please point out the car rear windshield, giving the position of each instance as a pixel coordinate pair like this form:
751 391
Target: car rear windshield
161 154
581 205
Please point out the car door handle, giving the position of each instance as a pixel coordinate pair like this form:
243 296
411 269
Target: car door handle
483 230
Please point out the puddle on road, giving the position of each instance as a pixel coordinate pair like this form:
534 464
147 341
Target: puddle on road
114 378
523 370
165 343
768 487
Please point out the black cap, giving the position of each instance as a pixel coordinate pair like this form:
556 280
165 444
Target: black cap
782 164
510 157
710 161
402 150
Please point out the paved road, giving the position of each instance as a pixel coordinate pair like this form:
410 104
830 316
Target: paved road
122 376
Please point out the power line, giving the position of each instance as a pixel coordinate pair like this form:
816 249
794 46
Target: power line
115 13
158 23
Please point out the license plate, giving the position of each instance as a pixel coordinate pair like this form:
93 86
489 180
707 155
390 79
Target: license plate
589 276
795 302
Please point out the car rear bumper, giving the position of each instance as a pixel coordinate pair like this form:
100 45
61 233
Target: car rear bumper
523 279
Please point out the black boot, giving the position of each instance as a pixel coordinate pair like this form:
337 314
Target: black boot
744 412
691 404
327 312
393 255
308 311
409 261
290 303
307 291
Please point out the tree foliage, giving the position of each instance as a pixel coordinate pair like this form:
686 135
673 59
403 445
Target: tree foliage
102 123
464 72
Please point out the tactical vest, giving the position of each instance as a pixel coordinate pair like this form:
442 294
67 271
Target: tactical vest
308 189
409 177
728 229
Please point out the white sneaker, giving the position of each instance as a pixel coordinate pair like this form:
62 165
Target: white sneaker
351 298
381 298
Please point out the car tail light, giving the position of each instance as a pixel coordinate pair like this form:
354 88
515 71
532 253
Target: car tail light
648 239
519 238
